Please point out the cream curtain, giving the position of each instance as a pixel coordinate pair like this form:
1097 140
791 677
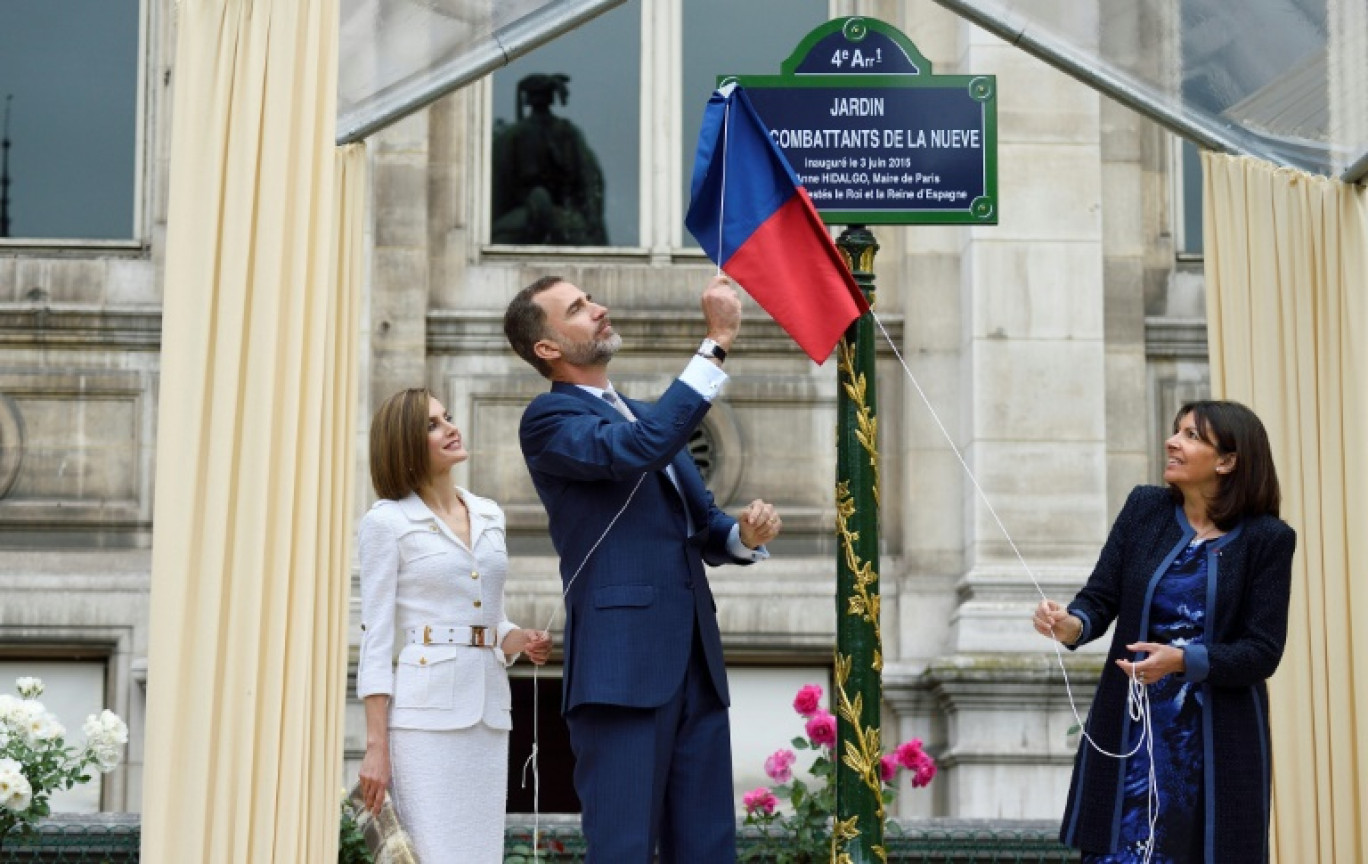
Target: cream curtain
1286 277
250 562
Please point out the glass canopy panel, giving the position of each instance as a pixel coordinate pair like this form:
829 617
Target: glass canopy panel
395 56
1285 80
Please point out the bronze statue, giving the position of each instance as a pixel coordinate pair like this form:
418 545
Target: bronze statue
548 188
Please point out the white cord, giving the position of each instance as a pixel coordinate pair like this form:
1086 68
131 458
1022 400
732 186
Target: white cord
722 205
592 549
536 684
1137 700
536 775
1140 712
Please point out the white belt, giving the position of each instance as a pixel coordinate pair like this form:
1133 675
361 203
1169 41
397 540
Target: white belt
475 635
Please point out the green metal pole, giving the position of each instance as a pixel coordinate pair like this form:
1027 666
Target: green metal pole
857 836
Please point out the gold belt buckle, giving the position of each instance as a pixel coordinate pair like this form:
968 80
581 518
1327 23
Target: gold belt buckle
427 635
477 635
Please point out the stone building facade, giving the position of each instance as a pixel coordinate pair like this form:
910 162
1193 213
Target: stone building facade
1054 348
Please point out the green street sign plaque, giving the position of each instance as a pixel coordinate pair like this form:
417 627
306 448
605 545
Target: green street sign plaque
874 136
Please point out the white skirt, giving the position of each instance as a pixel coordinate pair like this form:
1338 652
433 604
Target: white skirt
450 789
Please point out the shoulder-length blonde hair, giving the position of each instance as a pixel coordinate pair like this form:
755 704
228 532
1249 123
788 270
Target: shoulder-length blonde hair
398 444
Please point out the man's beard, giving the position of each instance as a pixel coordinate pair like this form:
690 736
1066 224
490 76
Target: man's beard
591 352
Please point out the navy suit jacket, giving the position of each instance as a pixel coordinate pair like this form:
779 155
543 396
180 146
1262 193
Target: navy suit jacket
630 613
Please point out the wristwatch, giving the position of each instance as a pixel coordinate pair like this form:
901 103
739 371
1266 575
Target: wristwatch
712 350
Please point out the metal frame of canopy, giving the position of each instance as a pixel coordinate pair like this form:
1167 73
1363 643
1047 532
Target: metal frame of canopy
1357 171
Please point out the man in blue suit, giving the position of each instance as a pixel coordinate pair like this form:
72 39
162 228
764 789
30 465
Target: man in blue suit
645 687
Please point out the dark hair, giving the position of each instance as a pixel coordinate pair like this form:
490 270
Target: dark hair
1251 487
398 443
525 323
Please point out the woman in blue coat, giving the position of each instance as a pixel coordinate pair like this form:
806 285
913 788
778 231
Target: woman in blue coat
1197 579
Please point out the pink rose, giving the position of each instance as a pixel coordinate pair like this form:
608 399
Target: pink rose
779 766
808 701
821 729
888 767
759 799
923 771
908 753
911 756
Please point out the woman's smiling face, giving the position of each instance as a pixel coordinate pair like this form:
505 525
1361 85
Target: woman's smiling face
446 448
1193 461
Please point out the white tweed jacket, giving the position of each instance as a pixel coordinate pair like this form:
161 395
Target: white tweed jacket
415 573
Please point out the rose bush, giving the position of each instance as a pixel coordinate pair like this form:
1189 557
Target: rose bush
803 835
36 761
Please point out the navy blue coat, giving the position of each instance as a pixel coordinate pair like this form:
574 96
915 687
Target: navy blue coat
1249 578
631 612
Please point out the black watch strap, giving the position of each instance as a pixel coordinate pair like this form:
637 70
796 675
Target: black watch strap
711 349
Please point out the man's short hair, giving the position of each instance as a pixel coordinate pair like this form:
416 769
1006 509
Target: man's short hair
525 323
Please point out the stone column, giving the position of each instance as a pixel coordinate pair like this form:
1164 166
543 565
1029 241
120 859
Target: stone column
1005 330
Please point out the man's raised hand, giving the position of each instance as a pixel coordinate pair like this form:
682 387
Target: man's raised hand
722 311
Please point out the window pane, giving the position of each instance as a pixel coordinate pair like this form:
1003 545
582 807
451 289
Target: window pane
734 37
566 138
69 69
1190 239
72 691
763 720
545 727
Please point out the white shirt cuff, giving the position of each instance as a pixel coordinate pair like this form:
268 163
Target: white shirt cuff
736 547
705 377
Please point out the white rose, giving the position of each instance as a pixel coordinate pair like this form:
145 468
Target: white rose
106 758
15 791
105 736
9 707
37 724
117 728
105 728
29 688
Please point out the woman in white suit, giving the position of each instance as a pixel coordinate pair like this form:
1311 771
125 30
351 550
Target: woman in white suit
433 564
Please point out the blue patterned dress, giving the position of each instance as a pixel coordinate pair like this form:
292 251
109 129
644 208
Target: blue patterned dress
1177 617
